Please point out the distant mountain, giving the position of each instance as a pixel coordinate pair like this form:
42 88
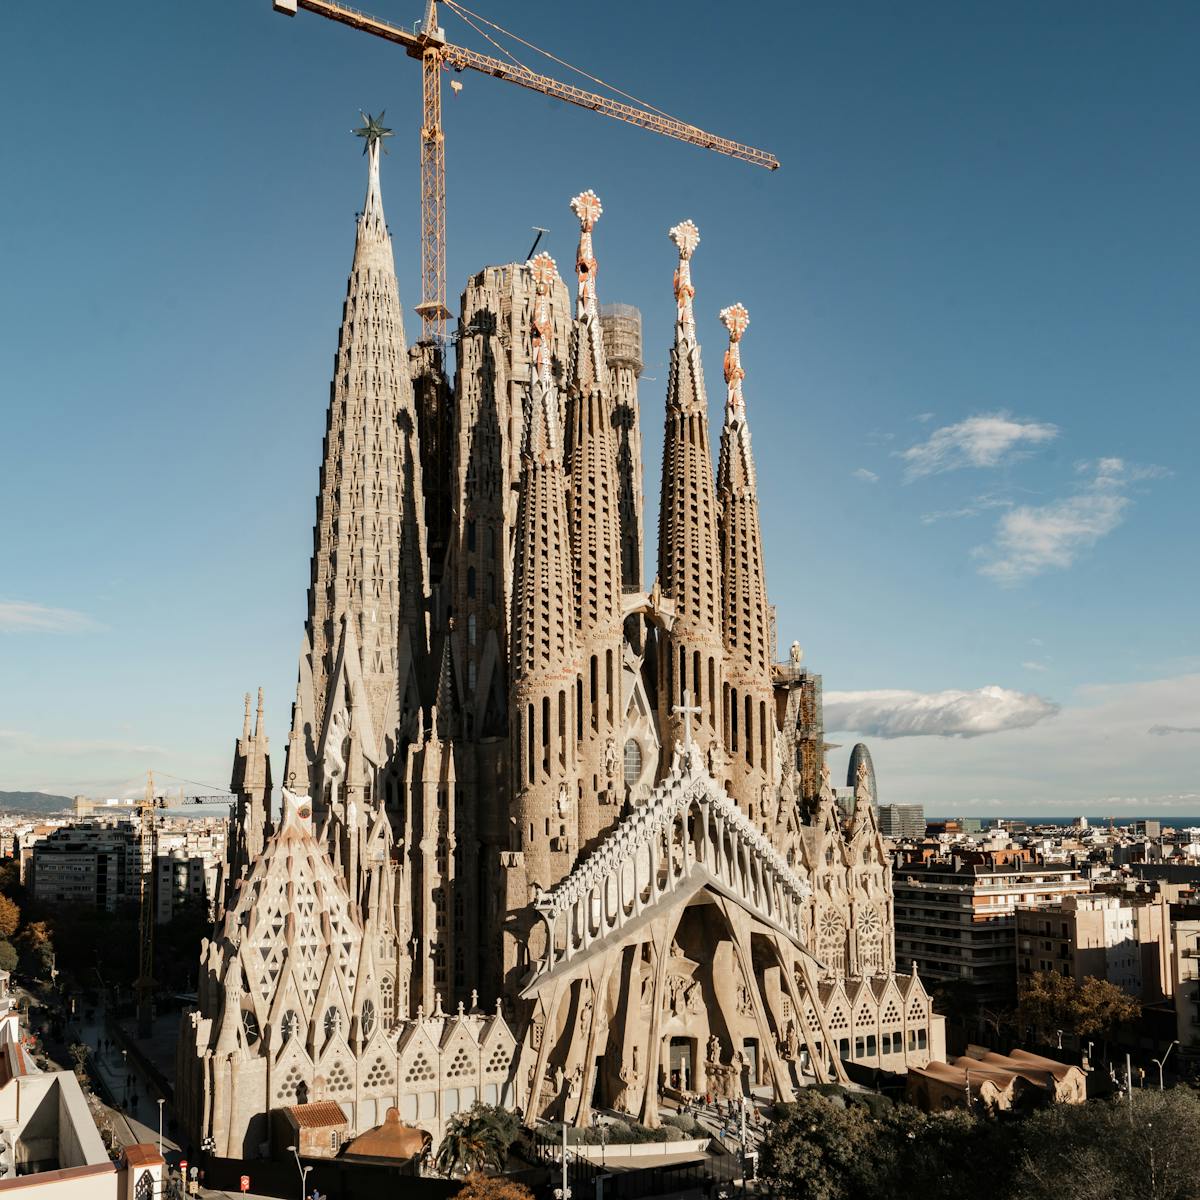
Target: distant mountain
34 802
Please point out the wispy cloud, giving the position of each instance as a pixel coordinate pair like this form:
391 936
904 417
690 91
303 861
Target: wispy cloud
865 475
965 714
22 742
1031 539
22 616
1168 730
1035 666
987 440
924 417
972 508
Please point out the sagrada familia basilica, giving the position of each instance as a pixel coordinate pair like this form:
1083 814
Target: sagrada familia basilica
553 834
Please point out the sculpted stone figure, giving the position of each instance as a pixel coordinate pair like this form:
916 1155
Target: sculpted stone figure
610 758
714 1049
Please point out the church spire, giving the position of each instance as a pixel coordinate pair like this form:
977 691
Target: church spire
544 653
366 635
250 782
593 507
688 552
745 614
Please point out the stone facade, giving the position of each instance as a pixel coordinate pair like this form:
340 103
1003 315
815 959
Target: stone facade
601 805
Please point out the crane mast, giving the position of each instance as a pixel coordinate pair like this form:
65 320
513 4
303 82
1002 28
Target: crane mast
146 915
436 54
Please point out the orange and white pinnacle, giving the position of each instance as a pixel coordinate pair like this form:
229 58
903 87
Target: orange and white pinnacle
686 237
544 270
587 207
736 319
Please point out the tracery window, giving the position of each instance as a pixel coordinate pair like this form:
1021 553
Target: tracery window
290 1025
870 942
633 761
831 941
333 1021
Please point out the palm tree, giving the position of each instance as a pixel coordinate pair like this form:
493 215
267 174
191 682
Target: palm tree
474 1141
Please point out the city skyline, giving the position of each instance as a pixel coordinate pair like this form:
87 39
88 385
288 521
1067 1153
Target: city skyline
971 520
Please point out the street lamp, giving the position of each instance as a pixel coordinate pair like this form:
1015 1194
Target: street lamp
1159 1063
125 1072
302 1169
161 1102
564 1192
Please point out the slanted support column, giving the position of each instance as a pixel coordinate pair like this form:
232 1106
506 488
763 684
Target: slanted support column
599 982
663 930
543 1053
787 962
737 923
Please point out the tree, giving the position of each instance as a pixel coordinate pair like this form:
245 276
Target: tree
37 947
819 1148
1095 1151
8 956
10 917
850 1147
476 1140
1102 1006
1050 1002
10 877
477 1186
80 1052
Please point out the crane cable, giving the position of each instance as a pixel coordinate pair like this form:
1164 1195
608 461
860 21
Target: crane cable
213 789
466 14
483 33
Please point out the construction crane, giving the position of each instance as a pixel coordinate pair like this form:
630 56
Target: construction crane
429 45
146 916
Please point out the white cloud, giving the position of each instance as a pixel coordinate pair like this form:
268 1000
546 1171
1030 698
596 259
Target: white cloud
1168 730
988 440
897 714
924 417
865 475
1031 539
21 616
1034 666
1093 757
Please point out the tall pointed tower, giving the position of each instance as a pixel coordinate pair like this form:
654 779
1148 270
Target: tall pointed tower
596 541
365 638
251 784
623 348
689 565
544 660
745 618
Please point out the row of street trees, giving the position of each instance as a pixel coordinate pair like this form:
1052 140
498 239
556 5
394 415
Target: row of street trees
831 1148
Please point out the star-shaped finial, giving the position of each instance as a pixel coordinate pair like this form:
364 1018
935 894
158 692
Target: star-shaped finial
543 269
586 206
735 318
373 130
686 237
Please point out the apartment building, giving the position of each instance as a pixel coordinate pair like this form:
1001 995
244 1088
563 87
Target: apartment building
955 915
1124 939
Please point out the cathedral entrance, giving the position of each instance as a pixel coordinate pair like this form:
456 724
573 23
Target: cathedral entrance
750 1052
680 1064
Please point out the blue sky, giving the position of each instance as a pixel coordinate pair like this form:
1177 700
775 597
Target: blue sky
971 368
